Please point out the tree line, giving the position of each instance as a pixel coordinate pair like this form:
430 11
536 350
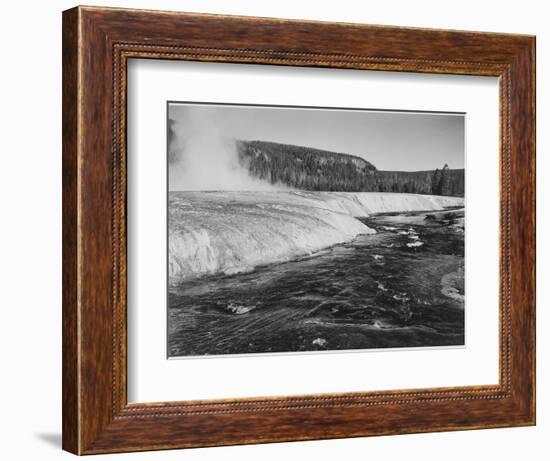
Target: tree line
316 169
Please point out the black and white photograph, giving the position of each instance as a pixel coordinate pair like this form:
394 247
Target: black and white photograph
313 229
275 230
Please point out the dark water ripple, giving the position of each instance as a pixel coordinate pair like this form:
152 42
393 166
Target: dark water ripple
402 287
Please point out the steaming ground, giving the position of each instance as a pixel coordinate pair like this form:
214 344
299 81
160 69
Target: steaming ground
256 267
204 157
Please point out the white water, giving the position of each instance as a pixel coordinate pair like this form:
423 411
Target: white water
231 232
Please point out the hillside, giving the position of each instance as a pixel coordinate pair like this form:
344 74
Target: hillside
305 167
315 169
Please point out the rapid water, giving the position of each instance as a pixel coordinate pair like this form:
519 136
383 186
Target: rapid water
231 232
295 271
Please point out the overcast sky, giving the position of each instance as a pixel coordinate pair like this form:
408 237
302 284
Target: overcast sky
405 141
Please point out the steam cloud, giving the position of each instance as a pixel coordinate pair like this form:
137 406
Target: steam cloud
202 156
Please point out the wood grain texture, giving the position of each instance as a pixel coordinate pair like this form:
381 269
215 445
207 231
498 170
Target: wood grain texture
97 43
70 384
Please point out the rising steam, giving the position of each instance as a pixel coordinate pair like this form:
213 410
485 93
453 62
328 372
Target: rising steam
202 156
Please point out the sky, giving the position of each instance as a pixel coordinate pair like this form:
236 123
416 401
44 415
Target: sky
405 141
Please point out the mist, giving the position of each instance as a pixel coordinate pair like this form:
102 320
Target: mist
202 155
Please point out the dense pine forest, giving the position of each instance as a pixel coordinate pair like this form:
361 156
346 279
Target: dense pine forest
315 169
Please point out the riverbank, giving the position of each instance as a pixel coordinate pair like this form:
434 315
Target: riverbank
402 286
233 232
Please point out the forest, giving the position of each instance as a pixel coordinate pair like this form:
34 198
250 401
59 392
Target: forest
315 169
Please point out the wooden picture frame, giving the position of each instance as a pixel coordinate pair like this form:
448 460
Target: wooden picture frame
97 43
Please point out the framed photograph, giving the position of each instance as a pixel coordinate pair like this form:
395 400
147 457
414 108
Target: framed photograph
282 230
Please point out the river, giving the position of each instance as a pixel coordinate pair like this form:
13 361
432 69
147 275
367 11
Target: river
402 286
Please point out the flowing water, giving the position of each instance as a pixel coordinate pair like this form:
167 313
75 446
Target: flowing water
402 286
